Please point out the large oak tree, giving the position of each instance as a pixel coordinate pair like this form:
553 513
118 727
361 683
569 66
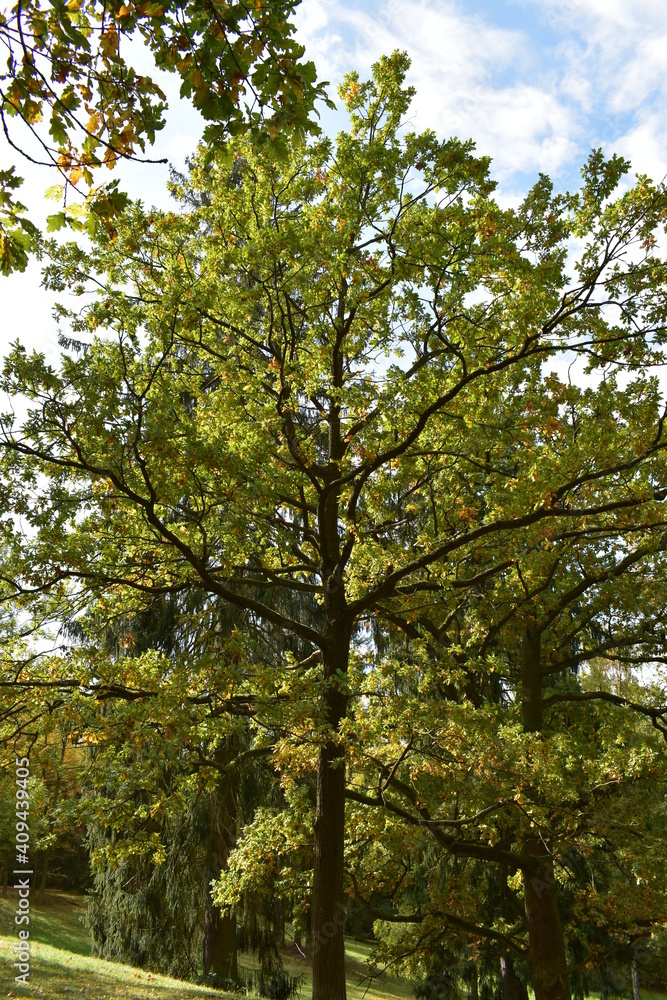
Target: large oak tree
285 375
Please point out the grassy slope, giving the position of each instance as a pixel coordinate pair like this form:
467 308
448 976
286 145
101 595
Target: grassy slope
61 966
358 985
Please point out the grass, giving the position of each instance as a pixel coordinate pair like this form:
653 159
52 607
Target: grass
56 923
645 995
61 967
385 987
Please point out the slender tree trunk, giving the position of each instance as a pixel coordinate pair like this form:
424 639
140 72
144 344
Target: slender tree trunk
220 953
636 995
548 961
513 988
41 891
43 875
531 680
506 974
474 987
328 903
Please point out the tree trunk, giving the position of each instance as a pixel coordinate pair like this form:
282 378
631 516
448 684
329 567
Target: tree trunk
513 988
41 892
636 995
474 987
44 873
531 680
328 903
548 961
220 944
220 953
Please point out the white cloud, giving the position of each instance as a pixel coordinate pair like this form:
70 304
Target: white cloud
624 57
645 145
534 92
460 66
615 51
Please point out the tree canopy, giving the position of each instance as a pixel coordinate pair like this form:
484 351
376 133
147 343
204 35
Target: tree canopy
73 65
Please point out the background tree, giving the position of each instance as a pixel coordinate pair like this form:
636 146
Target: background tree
166 782
507 645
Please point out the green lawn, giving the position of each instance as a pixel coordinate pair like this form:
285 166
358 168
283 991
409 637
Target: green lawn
386 987
56 923
61 966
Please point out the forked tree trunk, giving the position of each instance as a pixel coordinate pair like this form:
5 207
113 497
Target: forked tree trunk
547 958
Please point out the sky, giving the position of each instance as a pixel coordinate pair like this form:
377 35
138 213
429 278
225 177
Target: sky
536 83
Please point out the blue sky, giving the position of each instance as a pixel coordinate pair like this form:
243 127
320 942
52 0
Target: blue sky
536 84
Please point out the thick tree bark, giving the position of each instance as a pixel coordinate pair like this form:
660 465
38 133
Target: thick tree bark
548 961
328 903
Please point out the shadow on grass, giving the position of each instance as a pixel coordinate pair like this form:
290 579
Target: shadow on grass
61 966
57 922
61 975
